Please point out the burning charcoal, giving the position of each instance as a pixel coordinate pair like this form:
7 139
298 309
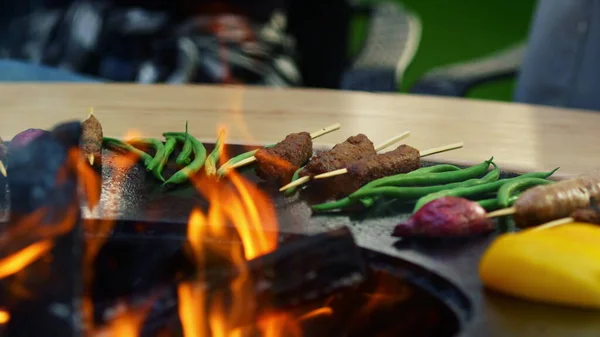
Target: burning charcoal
45 210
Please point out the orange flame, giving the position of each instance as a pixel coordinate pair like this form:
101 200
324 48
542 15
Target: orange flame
238 211
387 292
125 324
323 311
4 316
17 261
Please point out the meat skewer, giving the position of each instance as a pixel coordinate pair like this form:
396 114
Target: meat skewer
316 134
91 138
587 215
353 149
403 159
425 153
547 203
279 162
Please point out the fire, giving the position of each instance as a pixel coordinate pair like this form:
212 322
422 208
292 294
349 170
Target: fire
240 225
17 261
125 324
323 311
4 316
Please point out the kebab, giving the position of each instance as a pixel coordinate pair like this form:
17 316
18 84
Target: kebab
341 155
403 159
584 215
252 154
91 138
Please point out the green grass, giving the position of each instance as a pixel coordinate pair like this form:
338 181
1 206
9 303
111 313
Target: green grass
459 30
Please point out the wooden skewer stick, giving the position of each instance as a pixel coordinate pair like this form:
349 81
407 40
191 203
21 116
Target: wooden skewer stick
423 153
547 225
2 169
553 224
502 212
313 135
380 147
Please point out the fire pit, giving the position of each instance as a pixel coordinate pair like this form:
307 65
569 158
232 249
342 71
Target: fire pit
218 258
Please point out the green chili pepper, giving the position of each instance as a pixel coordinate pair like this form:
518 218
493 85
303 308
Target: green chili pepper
428 179
199 157
295 177
508 189
223 169
479 189
210 166
169 147
116 143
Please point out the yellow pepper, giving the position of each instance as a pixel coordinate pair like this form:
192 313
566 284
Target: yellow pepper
558 265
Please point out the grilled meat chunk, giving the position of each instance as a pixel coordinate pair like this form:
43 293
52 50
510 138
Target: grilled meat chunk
281 161
91 139
340 156
403 159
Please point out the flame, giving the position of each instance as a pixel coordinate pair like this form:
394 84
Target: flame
125 324
19 260
387 292
238 213
279 324
323 311
4 316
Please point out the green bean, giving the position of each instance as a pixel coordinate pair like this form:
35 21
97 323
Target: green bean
234 160
157 145
492 204
210 166
186 151
436 169
508 189
333 205
169 148
295 177
116 143
428 179
367 196
413 193
192 168
479 189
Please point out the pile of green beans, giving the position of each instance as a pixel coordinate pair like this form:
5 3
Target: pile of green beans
157 163
492 187
195 165
429 183
407 190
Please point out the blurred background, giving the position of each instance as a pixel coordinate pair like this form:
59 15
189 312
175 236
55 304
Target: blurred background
464 48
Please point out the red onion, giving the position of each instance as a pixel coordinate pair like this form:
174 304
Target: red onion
24 137
446 217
